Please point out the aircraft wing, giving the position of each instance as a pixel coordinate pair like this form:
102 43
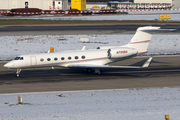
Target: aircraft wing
103 67
146 64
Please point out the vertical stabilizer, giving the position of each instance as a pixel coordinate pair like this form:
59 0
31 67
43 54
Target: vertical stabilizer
141 39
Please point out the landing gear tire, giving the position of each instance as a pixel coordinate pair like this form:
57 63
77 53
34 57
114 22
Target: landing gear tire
17 75
98 72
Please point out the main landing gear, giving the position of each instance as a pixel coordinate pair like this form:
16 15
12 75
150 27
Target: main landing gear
88 70
18 72
97 71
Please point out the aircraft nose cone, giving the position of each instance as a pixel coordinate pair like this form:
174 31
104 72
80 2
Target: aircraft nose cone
8 65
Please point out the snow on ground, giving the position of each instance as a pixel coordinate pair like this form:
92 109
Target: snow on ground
11 46
124 104
174 17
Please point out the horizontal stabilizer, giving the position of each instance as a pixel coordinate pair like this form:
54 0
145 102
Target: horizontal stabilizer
163 30
150 28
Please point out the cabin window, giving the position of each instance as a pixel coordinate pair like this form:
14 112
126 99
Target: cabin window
69 58
83 57
41 59
76 57
49 59
55 58
62 58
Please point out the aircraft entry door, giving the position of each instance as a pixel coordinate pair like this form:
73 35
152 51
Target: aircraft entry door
33 60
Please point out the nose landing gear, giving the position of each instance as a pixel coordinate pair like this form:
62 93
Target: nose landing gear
18 72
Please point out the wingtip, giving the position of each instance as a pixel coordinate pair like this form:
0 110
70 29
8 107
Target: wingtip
173 29
147 63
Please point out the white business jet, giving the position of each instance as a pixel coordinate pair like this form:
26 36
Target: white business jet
95 59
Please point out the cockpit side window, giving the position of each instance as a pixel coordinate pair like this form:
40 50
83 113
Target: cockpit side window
21 58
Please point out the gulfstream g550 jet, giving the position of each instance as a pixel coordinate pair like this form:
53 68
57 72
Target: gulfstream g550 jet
96 59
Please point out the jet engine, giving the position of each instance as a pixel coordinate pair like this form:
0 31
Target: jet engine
120 52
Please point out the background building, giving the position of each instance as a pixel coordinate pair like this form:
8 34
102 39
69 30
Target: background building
173 3
63 4
176 3
41 4
152 1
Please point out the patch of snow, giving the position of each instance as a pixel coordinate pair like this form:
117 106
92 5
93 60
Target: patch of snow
125 104
11 46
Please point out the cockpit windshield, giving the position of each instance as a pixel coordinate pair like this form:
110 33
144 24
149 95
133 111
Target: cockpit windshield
18 58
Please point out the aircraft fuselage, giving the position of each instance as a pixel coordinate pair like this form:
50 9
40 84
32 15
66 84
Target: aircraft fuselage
83 57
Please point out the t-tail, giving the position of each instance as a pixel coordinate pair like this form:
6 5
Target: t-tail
142 37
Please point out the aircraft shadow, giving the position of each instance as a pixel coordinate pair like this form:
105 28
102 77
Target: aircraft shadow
70 74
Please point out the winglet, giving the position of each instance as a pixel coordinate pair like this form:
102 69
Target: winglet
146 64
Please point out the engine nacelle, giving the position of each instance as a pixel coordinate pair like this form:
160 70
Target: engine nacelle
121 52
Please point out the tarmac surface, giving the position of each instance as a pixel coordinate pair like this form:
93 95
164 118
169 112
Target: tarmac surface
80 29
163 72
